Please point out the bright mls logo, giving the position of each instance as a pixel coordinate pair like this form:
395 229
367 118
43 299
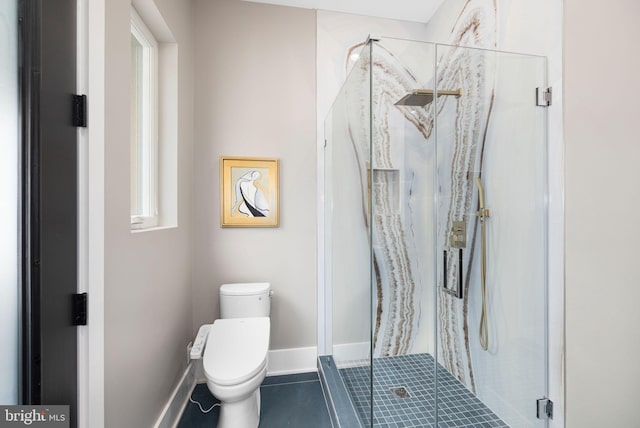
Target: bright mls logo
34 416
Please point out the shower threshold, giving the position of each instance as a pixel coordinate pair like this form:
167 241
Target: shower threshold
411 406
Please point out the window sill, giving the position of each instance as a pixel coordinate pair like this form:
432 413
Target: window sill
152 229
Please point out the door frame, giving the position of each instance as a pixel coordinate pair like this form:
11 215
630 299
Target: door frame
91 81
49 203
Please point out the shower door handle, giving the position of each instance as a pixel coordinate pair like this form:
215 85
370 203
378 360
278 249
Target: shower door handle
457 291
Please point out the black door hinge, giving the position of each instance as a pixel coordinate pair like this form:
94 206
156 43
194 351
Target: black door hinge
79 309
79 112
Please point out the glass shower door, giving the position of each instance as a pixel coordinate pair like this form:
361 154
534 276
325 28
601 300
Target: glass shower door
402 223
9 203
491 232
347 372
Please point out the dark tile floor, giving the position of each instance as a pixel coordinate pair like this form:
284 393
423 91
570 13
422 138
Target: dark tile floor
287 401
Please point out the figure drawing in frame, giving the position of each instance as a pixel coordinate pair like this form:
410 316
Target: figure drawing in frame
250 198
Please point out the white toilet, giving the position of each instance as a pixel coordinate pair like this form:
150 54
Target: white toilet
235 355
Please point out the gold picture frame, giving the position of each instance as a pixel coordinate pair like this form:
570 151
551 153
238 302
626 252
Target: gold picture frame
249 190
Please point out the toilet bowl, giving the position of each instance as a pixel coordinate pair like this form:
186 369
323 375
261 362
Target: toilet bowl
235 364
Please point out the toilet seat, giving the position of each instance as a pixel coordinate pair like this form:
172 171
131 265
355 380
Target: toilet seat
236 349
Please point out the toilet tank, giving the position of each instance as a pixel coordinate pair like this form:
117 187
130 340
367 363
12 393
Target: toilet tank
245 300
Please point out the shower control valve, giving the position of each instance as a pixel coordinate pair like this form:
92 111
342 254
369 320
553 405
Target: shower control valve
458 236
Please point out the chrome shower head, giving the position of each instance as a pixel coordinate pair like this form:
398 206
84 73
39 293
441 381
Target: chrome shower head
423 97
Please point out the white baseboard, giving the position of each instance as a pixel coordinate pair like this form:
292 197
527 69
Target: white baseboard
172 411
292 360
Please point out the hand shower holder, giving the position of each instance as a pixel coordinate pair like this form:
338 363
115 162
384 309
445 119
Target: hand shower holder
483 213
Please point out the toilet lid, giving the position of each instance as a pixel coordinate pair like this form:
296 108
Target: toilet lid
236 349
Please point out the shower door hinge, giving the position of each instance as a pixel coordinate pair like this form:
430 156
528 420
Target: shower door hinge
543 97
544 408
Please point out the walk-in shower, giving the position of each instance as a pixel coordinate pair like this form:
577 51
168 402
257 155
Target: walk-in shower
435 238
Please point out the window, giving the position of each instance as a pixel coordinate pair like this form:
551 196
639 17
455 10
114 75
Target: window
144 125
154 120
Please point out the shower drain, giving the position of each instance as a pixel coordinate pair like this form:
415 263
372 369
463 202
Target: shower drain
400 392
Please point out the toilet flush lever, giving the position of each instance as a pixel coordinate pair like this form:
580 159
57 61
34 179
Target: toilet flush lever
200 342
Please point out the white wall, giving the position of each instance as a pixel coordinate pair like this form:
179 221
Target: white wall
255 97
601 114
148 305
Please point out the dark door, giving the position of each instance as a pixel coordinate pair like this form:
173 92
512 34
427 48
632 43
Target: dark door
48 47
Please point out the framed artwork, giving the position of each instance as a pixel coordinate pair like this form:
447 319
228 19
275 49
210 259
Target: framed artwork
248 192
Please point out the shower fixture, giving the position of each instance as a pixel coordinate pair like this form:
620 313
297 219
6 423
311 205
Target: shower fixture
457 240
423 97
483 213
